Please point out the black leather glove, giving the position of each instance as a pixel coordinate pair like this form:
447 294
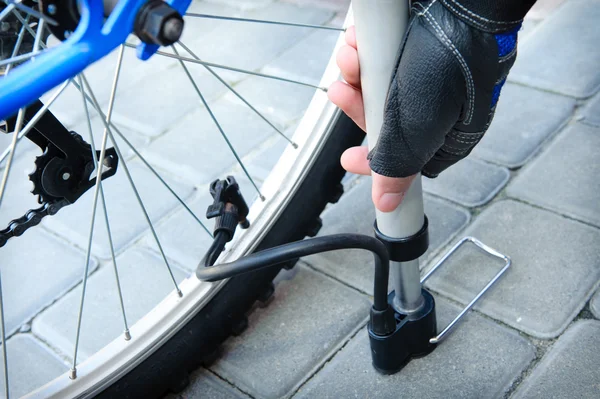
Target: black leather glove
452 65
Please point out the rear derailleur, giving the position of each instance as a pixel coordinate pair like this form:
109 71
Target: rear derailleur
63 173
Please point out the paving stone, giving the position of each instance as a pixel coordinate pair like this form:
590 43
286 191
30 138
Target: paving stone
30 365
23 147
565 177
543 8
205 384
570 34
553 257
138 141
527 28
591 112
479 359
355 214
595 305
160 101
198 28
263 159
309 319
336 5
243 4
145 281
570 368
68 108
250 46
181 237
195 150
305 62
127 222
37 268
470 182
307 59
524 118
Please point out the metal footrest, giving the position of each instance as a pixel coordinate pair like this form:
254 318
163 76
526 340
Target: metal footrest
488 250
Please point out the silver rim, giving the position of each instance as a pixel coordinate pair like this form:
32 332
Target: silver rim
190 296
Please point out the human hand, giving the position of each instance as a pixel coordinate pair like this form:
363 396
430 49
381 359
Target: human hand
387 192
443 93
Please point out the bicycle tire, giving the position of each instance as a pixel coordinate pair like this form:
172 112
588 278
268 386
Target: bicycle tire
167 368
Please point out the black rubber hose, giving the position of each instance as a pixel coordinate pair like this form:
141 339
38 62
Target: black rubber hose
215 249
294 250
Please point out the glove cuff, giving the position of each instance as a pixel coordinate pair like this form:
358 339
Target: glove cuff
490 15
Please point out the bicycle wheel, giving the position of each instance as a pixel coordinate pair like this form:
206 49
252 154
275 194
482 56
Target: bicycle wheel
183 331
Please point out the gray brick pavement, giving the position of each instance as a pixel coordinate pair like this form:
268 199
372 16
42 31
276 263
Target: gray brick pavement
145 282
34 278
556 259
31 365
470 182
181 237
137 140
565 177
570 368
126 219
479 359
524 119
202 154
286 342
251 46
355 214
566 35
595 305
205 384
553 258
591 112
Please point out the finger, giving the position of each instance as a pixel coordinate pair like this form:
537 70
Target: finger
354 160
349 100
388 192
347 60
350 36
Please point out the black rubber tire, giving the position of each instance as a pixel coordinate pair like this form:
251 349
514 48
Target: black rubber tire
196 343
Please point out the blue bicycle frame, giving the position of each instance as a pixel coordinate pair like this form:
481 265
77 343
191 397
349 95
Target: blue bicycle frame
94 38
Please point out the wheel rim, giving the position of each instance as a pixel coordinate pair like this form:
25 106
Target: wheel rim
147 334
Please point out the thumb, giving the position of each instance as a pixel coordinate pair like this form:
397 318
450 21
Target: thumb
388 192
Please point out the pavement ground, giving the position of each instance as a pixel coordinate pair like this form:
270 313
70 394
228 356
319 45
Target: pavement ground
530 190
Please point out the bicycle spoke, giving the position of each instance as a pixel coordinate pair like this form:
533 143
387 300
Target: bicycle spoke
32 12
31 124
38 34
158 176
123 164
262 21
187 72
97 188
21 57
257 112
17 45
25 23
7 10
36 45
245 71
3 336
13 146
126 333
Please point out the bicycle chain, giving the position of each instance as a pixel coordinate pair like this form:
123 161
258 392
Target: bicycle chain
31 218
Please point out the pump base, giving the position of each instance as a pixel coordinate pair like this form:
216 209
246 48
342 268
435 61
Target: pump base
410 340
